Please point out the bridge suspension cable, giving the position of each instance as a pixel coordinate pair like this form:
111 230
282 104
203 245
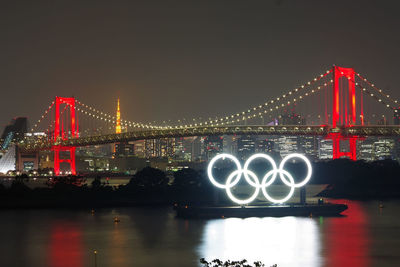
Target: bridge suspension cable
260 110
281 105
256 110
97 114
375 96
289 98
269 106
42 117
377 89
380 92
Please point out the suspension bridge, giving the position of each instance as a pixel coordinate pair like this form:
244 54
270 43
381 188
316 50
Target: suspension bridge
346 100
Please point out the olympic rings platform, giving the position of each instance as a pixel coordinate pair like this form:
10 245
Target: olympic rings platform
308 210
275 207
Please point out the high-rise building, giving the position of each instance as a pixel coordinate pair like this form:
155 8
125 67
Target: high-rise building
187 148
308 145
167 147
13 158
212 146
246 146
325 149
16 130
230 144
139 148
124 149
374 148
160 148
96 150
198 149
269 145
383 148
179 148
191 145
365 149
150 148
287 145
265 145
187 144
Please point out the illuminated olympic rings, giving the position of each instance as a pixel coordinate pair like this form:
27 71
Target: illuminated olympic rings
252 179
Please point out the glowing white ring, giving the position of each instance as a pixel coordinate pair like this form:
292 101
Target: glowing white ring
211 164
242 201
256 156
264 188
253 180
309 169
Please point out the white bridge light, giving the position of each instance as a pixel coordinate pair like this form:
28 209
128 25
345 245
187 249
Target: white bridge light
253 180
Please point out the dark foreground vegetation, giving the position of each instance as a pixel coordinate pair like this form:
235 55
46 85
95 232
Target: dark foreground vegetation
346 179
147 187
228 263
359 179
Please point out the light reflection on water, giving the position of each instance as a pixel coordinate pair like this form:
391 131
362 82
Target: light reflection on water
65 246
286 241
347 239
366 236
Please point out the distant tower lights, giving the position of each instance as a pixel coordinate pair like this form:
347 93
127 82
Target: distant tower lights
118 122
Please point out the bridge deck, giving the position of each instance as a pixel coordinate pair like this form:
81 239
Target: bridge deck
363 131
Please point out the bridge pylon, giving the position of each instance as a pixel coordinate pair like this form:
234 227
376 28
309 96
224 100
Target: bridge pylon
337 138
61 134
344 111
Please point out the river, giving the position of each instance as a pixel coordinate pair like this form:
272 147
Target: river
366 236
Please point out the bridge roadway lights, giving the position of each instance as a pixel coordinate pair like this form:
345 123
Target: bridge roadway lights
337 135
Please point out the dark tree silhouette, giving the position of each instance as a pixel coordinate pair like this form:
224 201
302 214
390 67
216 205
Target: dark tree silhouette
2 189
148 180
96 184
187 179
191 186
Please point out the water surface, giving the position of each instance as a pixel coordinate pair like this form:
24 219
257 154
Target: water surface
366 236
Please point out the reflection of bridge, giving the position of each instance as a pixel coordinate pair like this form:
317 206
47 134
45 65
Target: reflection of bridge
341 119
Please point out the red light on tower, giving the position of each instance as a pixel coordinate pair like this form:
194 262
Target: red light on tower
339 116
59 133
349 75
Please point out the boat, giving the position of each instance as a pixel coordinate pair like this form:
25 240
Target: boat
309 210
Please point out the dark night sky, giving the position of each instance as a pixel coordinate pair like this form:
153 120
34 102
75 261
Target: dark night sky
174 59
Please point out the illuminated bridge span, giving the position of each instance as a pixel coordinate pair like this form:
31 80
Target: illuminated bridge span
185 132
290 130
346 103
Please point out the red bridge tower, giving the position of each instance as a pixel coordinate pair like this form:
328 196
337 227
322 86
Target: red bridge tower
344 111
60 134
